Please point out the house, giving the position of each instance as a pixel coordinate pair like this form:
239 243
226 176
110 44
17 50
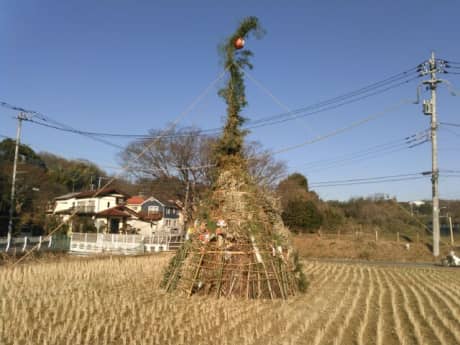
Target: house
109 210
104 208
155 215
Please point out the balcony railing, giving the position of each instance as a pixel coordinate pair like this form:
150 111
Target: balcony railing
85 208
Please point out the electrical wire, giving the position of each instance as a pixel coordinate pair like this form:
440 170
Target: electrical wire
252 124
346 128
277 119
450 124
369 180
451 131
370 152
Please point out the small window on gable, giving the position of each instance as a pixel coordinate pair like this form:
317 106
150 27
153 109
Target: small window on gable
152 209
108 204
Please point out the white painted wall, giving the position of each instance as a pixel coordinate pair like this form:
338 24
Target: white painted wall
100 203
64 204
135 208
145 228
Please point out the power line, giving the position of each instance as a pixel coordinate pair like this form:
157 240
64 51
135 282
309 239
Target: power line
369 180
252 124
371 152
451 62
93 135
295 114
451 131
346 128
450 124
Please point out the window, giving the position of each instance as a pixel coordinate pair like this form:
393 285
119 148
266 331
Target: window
108 204
152 209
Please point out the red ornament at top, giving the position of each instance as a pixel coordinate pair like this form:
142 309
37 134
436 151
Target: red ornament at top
239 43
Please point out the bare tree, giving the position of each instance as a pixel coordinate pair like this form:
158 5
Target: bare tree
184 157
187 154
263 166
180 153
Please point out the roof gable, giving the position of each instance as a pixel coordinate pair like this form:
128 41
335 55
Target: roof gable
100 193
136 200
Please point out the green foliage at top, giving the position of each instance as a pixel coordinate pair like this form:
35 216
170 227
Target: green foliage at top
25 153
74 175
231 142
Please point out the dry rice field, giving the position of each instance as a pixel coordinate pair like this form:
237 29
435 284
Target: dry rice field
117 301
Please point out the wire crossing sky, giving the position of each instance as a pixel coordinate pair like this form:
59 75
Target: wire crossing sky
115 70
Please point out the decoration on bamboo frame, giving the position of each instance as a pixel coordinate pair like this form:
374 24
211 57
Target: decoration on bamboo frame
238 245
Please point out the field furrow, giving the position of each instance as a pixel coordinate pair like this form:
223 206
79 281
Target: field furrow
103 301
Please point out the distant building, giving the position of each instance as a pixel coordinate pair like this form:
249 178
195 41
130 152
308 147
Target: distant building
103 207
113 211
155 215
417 202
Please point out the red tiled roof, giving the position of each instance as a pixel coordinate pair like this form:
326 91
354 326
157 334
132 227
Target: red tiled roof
135 200
100 192
117 211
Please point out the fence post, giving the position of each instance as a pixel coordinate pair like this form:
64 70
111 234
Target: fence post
376 235
51 240
39 243
8 242
451 232
397 237
25 244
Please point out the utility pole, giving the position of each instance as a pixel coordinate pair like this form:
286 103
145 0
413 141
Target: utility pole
429 108
186 215
20 118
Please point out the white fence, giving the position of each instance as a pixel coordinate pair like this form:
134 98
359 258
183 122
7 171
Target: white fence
15 244
91 243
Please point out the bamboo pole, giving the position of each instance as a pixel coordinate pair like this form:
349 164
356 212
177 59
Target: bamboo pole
247 283
222 260
283 295
196 275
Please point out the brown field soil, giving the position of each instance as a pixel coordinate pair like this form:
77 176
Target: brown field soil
366 248
117 301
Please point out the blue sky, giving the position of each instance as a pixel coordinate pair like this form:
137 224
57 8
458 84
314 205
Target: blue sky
128 66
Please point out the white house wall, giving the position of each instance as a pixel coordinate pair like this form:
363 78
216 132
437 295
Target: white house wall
64 204
145 228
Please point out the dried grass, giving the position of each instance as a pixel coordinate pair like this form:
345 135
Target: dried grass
118 301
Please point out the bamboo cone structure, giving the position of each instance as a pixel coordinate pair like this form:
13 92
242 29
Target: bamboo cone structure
239 247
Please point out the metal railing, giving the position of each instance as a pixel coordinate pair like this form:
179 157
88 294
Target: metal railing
98 243
85 208
41 243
